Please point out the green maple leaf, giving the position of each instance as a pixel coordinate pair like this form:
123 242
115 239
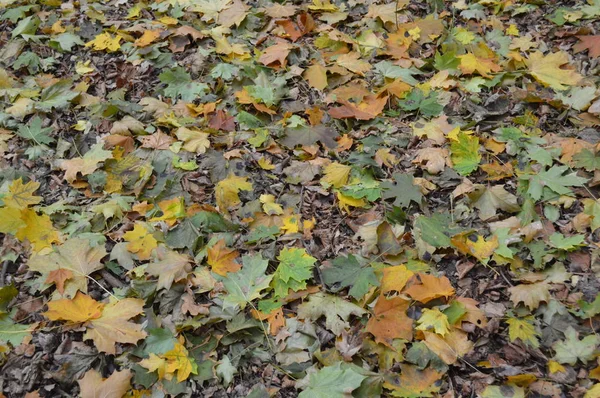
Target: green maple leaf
179 84
332 382
34 131
417 101
587 160
572 349
553 179
465 154
436 230
336 311
503 392
352 271
305 135
295 268
58 95
65 41
403 190
246 285
568 243
11 332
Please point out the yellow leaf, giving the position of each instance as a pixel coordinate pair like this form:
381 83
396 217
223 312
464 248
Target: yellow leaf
555 367
316 75
524 329
172 210
175 361
140 241
114 325
38 230
104 41
265 164
226 191
455 344
469 63
434 319
147 38
154 363
92 385
83 68
222 259
344 202
21 195
269 205
480 249
546 70
353 63
10 220
323 5
75 255
336 175
82 308
512 30
194 140
395 278
430 288
291 224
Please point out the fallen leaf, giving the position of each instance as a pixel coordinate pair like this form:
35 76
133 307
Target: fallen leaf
169 266
222 259
92 385
389 321
429 288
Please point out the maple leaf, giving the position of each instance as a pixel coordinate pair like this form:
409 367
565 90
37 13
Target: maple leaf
81 308
546 70
395 278
174 362
21 195
465 153
35 132
37 229
413 382
10 220
403 190
105 41
226 191
75 255
92 385
269 205
305 135
489 200
276 55
246 285
336 175
591 43
523 329
172 209
572 349
480 248
351 271
147 38
353 63
59 277
430 288
470 63
222 259
503 391
332 382
368 109
389 321
530 295
140 241
194 141
170 267
336 310
85 165
316 75
433 319
294 269
455 344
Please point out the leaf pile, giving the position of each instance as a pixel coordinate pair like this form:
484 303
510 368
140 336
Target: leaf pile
321 198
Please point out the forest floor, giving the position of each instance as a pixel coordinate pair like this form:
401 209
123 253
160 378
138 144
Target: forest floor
326 198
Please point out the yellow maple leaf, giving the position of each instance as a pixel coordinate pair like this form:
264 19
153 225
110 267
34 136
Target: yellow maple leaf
172 210
455 344
21 195
469 63
226 191
147 38
81 308
481 249
523 329
176 361
10 220
546 70
140 241
291 223
316 76
269 205
37 229
105 41
345 202
434 319
193 140
336 175
353 63
395 278
222 259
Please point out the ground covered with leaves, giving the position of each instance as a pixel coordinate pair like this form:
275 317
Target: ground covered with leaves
318 199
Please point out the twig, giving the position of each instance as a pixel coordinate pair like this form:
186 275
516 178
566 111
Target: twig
3 272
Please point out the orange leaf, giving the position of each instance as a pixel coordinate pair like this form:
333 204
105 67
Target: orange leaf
82 308
430 288
276 56
222 259
389 321
368 109
58 277
147 38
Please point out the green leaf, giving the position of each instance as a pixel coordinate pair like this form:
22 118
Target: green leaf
436 230
35 132
572 349
569 243
402 190
465 153
65 41
503 392
587 159
246 285
179 84
336 310
306 135
58 95
391 71
295 268
332 382
351 271
426 105
11 332
553 179
523 329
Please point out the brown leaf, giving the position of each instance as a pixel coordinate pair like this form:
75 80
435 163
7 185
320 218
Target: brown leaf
58 277
530 295
222 259
389 321
590 43
92 385
157 140
276 56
